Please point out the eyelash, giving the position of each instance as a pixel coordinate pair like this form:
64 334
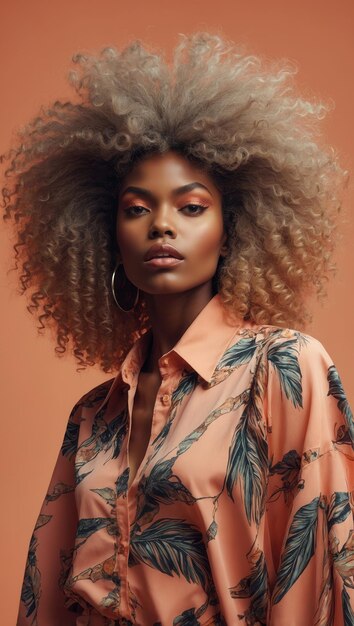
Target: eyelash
134 206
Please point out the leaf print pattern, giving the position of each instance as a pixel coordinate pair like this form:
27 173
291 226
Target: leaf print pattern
32 581
344 561
104 437
245 492
89 526
161 486
248 459
70 442
325 611
285 360
339 508
255 586
239 353
289 470
347 610
186 386
58 490
172 546
336 390
299 548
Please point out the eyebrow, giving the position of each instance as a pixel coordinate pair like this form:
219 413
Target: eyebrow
178 191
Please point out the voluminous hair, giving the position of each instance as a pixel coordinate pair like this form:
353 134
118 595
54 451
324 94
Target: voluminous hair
236 115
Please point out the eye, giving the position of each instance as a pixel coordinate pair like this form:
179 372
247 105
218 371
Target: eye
130 210
201 208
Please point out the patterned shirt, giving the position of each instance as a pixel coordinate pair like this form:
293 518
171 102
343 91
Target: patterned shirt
241 511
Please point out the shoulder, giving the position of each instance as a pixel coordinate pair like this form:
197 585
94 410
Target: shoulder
296 365
278 343
92 398
278 347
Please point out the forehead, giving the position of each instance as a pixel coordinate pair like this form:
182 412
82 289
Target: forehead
171 168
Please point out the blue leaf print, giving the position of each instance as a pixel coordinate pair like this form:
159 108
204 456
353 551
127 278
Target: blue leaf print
255 586
337 391
284 358
166 487
339 508
160 438
31 587
325 607
122 483
187 618
289 470
238 354
247 460
161 486
347 610
87 526
59 490
190 617
80 477
299 548
212 531
172 546
94 396
185 387
248 456
71 437
105 436
120 430
107 494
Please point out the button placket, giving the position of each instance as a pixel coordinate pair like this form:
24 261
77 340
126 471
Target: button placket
127 508
165 398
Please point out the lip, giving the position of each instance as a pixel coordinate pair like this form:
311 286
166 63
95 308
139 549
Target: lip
164 248
163 261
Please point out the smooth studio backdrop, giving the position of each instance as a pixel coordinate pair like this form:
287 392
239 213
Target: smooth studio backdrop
38 39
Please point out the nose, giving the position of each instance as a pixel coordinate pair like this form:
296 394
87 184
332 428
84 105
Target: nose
161 223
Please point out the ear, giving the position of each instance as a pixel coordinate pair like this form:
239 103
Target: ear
117 253
224 247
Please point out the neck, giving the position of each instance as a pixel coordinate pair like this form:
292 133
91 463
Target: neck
170 316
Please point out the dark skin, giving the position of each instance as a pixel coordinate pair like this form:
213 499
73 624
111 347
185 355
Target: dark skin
174 295
160 212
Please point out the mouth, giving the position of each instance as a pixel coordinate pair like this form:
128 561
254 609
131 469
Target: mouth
163 261
165 250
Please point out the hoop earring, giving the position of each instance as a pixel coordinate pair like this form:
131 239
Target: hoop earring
124 290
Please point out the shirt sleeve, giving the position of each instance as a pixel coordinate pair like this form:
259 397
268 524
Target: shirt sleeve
43 601
310 503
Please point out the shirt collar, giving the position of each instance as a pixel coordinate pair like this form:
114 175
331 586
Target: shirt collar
206 339
201 346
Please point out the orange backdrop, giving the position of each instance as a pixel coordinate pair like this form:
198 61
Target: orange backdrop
37 41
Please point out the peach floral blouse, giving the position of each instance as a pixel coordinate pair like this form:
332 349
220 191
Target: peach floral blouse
241 511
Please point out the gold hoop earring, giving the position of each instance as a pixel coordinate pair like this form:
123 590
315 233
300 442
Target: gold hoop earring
124 287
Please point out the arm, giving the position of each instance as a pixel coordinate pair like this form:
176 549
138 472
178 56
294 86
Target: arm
42 601
309 510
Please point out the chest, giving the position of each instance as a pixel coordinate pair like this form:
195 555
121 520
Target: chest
141 418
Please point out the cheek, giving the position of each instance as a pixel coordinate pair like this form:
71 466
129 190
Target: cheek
208 238
126 236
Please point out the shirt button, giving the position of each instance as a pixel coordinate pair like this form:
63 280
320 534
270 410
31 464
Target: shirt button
164 362
165 398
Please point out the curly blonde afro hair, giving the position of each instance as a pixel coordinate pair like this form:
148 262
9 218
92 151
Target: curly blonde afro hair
236 115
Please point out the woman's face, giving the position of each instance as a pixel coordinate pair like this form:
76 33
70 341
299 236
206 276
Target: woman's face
166 199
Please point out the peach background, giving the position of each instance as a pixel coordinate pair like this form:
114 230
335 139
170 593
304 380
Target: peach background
37 41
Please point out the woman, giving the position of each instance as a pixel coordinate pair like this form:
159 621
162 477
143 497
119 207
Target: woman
172 223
